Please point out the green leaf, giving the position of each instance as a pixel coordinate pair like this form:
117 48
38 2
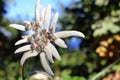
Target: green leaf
116 67
104 26
101 2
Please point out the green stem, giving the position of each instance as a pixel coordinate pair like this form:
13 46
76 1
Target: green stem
104 71
23 77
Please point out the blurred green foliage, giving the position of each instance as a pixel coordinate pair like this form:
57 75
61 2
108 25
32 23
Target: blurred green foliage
99 20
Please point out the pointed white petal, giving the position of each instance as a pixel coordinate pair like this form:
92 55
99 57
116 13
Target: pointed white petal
48 53
37 10
23 48
60 43
45 63
53 23
21 41
27 22
64 34
42 15
27 55
17 26
25 36
47 17
55 52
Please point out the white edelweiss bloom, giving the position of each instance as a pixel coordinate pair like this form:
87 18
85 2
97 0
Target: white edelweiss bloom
40 40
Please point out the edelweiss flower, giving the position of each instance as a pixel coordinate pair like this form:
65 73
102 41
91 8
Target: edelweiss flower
40 40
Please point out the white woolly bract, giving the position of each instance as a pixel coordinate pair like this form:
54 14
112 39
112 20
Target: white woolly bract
48 53
25 36
23 48
64 34
37 10
47 17
27 22
27 55
59 42
54 21
21 41
17 26
42 16
55 52
45 63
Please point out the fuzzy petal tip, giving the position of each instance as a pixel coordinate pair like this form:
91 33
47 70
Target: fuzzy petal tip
65 34
17 26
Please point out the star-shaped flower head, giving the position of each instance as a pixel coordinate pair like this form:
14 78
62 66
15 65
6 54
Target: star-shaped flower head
40 40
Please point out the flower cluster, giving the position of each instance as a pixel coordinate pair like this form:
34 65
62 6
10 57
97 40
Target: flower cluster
40 40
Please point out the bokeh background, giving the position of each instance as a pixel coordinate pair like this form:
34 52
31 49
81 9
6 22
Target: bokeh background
97 57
